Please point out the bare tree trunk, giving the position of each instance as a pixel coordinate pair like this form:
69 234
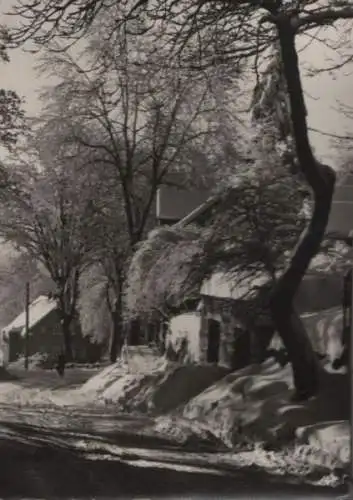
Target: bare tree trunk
67 300
321 179
287 321
117 327
66 329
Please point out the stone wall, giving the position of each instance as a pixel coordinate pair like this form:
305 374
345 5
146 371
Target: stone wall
221 311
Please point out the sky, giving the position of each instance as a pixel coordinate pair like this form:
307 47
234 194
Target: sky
323 92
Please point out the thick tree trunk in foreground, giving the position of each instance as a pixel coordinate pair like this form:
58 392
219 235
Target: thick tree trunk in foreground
288 323
321 179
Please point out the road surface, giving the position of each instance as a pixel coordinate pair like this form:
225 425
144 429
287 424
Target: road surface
50 452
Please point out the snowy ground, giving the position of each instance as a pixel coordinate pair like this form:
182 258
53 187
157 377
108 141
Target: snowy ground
168 416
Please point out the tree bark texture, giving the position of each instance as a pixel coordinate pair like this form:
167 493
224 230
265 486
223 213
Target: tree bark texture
67 334
117 329
321 179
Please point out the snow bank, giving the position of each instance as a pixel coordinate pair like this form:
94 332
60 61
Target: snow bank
254 404
157 391
127 392
185 433
104 378
154 385
162 390
331 437
134 361
34 361
142 359
203 407
14 393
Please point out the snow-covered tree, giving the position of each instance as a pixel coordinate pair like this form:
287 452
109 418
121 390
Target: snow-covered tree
159 277
262 210
48 214
11 112
258 200
136 123
95 318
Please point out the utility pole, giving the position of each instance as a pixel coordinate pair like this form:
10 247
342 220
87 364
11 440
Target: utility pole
27 326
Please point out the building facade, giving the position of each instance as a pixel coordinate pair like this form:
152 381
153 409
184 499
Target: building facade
44 335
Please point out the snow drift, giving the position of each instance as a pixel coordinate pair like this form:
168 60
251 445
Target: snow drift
159 391
205 405
254 404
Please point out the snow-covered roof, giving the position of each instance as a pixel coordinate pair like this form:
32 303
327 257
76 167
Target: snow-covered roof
227 286
38 310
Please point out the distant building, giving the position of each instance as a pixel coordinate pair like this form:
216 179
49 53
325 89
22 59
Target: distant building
173 204
45 334
44 330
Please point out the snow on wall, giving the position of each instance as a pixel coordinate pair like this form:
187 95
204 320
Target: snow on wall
185 327
325 331
222 285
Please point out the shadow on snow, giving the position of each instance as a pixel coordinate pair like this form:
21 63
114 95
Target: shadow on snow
40 463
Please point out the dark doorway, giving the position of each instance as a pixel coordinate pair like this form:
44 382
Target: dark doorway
241 348
150 332
214 337
135 332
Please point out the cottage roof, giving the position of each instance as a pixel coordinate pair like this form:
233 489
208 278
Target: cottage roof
38 310
230 286
197 212
174 204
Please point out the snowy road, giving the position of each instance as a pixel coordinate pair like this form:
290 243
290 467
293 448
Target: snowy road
50 451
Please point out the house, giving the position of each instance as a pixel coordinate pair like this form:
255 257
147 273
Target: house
42 319
228 328
45 334
224 323
231 316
